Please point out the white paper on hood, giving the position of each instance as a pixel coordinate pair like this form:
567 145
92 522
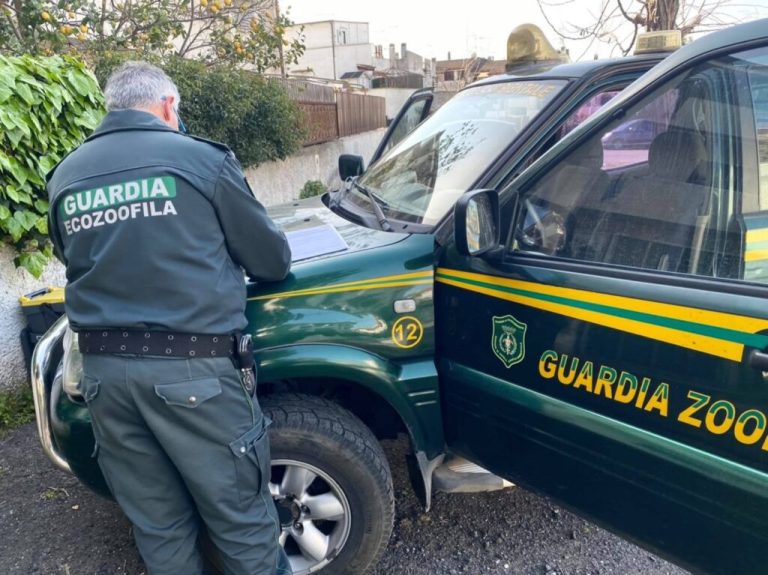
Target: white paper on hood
316 241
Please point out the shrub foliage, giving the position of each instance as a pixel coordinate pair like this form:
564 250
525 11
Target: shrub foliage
311 189
16 408
253 116
47 107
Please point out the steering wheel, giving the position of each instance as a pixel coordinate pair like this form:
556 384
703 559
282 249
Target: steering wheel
543 230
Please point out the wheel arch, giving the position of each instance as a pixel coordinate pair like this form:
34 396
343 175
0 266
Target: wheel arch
371 387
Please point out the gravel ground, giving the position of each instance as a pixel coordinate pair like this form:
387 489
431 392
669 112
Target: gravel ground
50 525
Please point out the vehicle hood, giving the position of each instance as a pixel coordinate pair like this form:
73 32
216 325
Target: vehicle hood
312 213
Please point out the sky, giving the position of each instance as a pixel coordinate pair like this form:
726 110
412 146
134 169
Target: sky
432 29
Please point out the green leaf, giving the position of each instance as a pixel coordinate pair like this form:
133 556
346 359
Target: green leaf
8 119
42 226
40 205
32 119
33 262
13 193
4 212
27 219
13 228
5 94
82 84
25 93
18 171
15 136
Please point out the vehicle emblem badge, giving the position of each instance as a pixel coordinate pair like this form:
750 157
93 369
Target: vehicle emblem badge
508 341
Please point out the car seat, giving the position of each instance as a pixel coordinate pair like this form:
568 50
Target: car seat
649 221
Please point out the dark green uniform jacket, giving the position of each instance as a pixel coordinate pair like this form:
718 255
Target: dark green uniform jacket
155 229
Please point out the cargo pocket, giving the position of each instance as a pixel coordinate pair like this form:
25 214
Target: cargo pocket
89 387
189 393
252 468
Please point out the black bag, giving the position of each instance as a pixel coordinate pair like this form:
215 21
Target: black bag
41 308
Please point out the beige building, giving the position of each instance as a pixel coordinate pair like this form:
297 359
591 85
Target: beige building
332 48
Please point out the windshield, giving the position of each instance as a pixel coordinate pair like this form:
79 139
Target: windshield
421 178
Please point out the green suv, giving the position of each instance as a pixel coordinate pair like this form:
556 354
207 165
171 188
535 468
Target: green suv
593 328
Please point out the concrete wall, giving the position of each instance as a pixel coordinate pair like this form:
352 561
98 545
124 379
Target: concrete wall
316 62
316 34
14 284
332 48
395 98
350 55
351 33
273 183
279 182
319 61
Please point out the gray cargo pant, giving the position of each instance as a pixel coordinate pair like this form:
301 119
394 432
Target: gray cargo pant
177 438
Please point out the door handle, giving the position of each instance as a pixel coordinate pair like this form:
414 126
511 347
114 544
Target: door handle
758 360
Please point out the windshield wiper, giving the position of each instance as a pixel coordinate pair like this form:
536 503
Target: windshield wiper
376 201
382 219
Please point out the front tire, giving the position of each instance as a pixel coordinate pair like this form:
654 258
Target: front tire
332 486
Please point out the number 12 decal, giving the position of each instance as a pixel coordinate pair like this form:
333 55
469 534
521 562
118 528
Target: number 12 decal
407 332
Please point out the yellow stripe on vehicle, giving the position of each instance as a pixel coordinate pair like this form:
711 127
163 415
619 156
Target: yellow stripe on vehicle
696 315
695 322
755 255
400 280
758 235
695 342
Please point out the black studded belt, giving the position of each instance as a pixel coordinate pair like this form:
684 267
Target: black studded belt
155 343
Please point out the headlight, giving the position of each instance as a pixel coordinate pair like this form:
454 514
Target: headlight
73 366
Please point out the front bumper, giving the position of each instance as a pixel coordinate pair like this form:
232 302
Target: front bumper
46 356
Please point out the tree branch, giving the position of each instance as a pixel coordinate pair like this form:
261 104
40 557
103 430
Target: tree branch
11 23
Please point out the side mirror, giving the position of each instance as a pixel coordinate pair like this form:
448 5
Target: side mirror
476 222
350 166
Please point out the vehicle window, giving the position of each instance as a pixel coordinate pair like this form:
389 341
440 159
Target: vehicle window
629 143
407 123
758 83
421 178
756 212
592 105
661 188
582 112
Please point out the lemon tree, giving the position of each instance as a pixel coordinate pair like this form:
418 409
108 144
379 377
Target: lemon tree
236 31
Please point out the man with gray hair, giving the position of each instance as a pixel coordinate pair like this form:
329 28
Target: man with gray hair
155 229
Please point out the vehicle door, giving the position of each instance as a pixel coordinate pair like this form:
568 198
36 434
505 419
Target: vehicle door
613 354
414 111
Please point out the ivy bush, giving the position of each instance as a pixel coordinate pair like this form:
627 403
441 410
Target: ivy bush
48 106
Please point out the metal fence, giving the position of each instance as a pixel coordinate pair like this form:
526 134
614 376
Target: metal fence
415 81
359 113
321 122
330 113
303 91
